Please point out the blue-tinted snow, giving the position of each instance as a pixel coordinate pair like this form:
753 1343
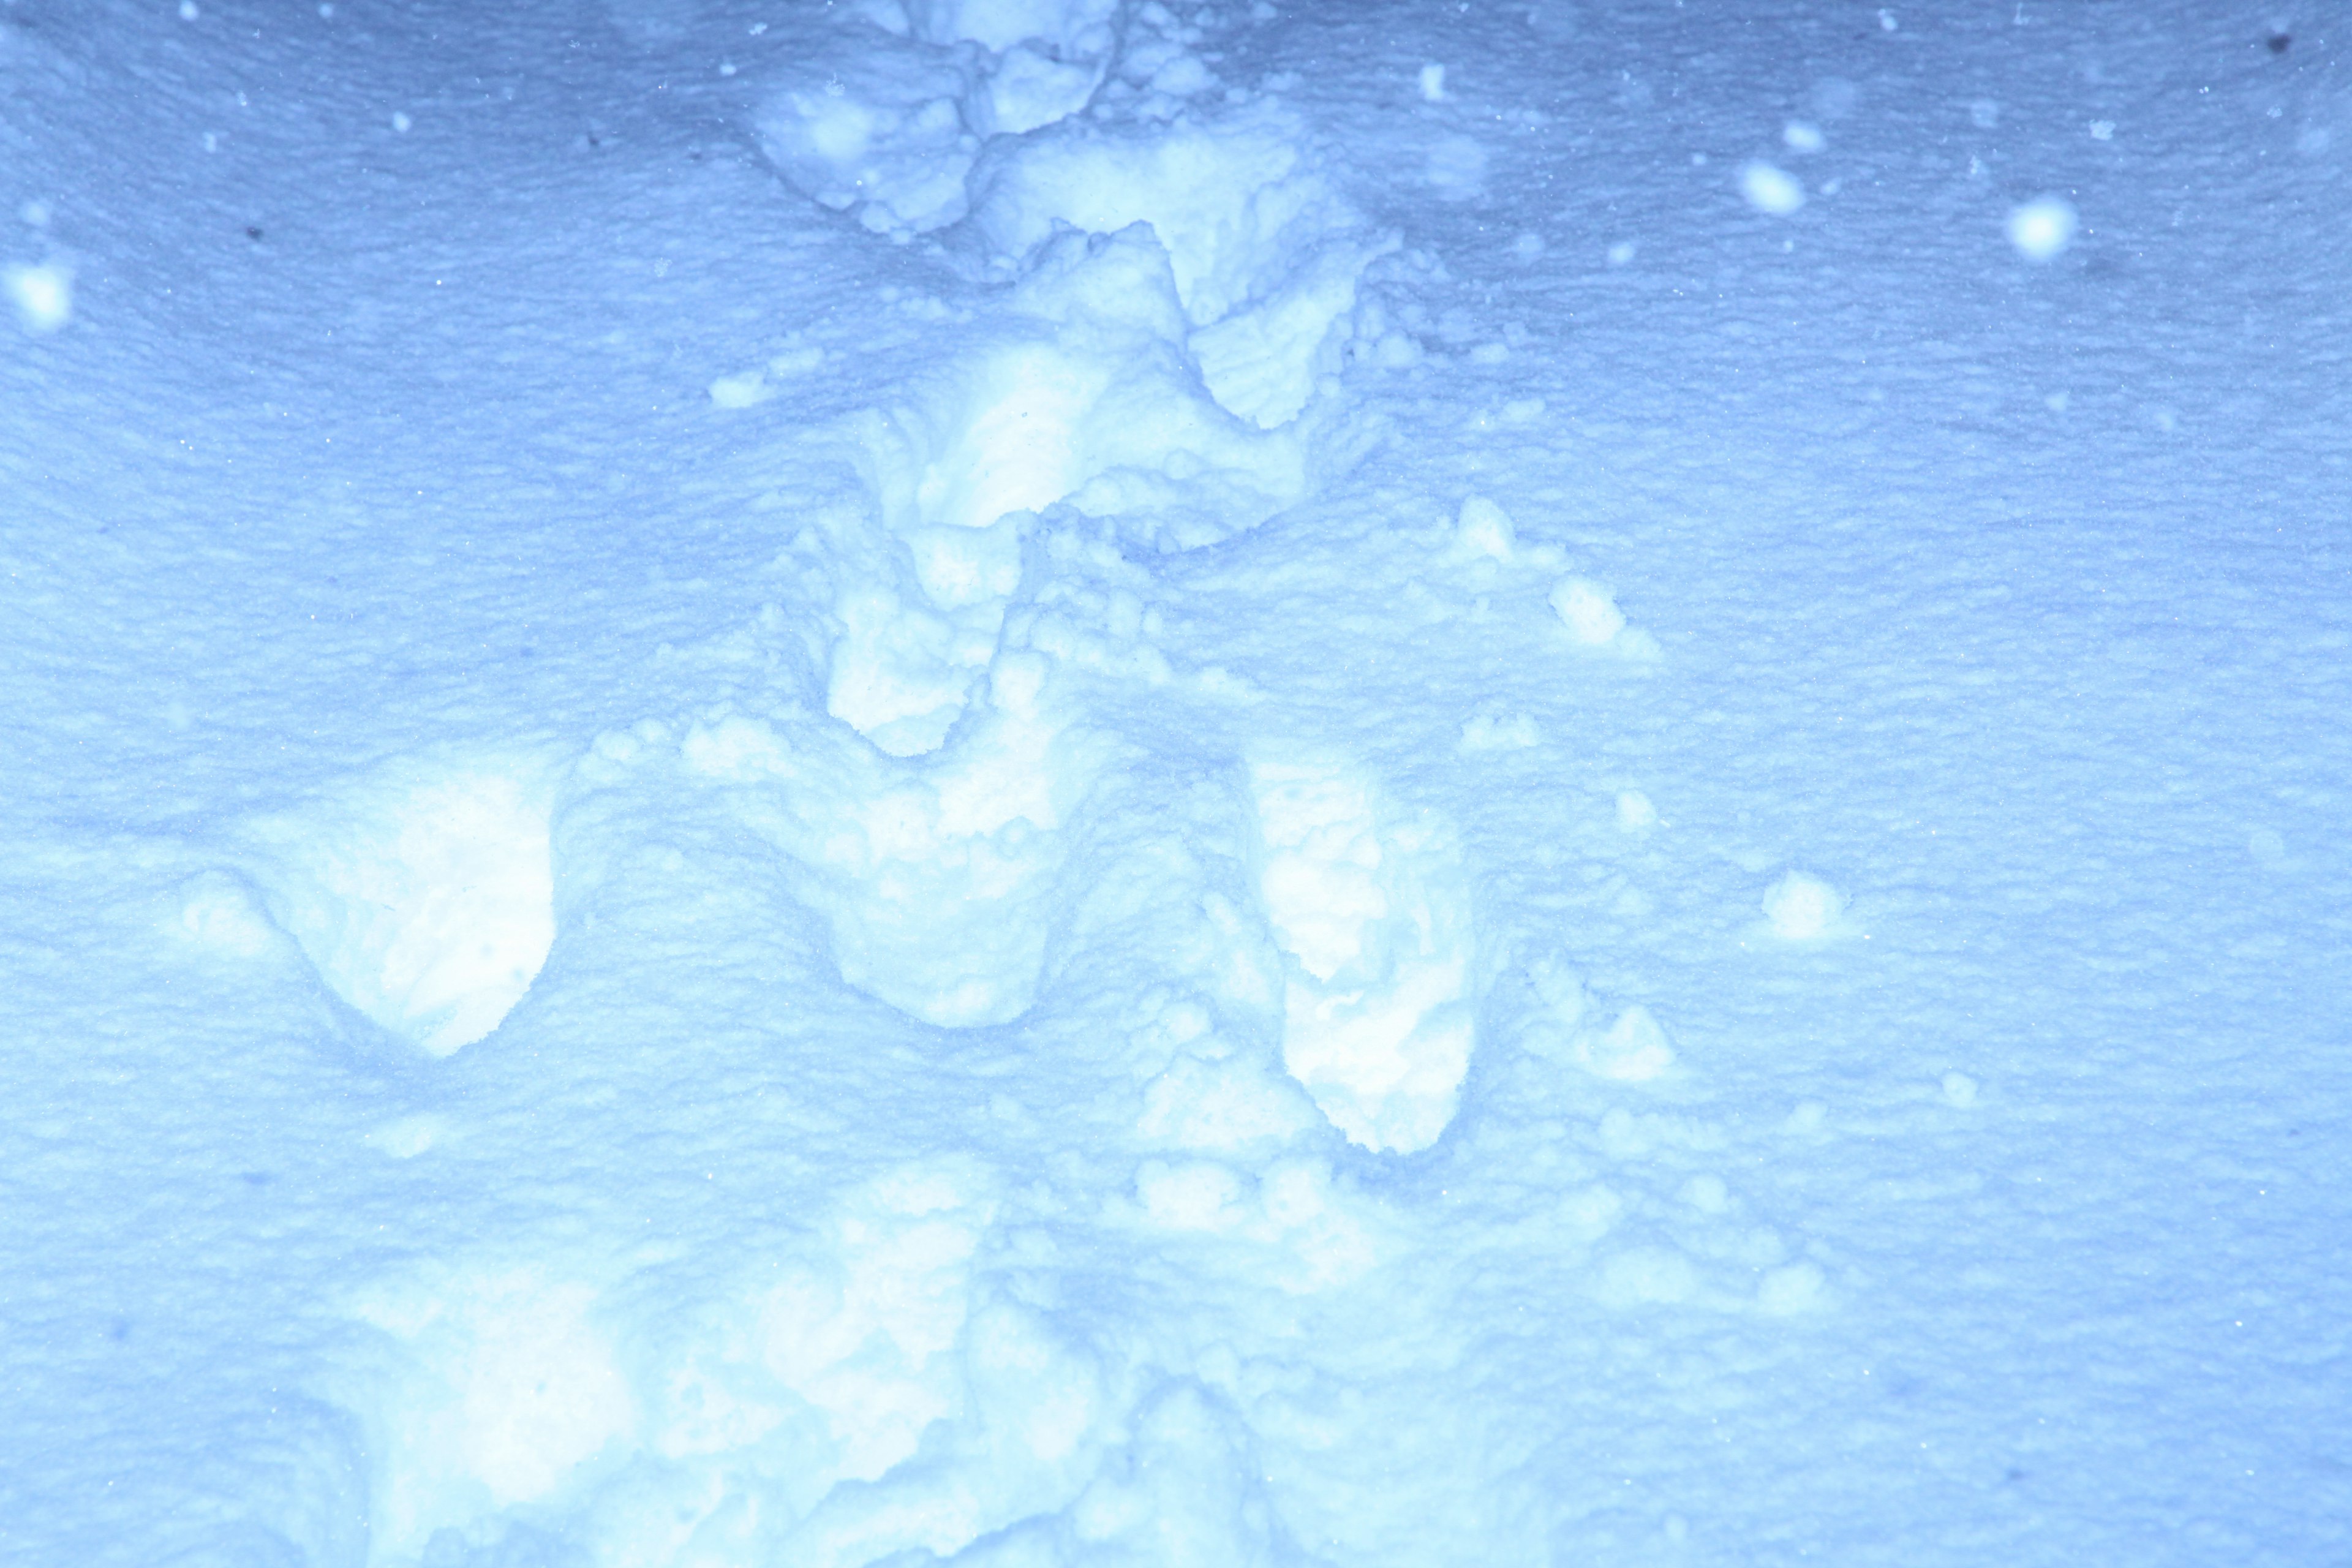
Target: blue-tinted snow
1599 819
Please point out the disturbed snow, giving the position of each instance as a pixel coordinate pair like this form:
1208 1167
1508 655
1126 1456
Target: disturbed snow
1029 782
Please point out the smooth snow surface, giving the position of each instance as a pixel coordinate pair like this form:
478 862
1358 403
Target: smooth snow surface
1046 784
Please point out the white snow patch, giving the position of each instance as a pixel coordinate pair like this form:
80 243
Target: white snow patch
936 876
1196 1195
1229 1105
1030 90
500 1382
1802 907
1089 397
1588 610
1267 361
1239 203
1373 917
2041 227
865 1332
1706 1193
741 390
43 294
1186 76
1482 528
1806 1119
1770 190
1634 1049
877 129
425 897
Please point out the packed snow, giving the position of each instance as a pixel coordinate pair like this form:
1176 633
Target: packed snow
1022 783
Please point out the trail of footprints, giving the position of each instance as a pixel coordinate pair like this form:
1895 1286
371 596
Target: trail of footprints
1177 284
1179 289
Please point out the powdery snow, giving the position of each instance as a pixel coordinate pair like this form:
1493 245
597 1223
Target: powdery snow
1062 782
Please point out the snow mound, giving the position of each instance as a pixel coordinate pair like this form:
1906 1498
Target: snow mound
1029 89
1084 397
1373 916
905 665
938 879
878 130
1588 611
1456 168
1090 400
1771 190
1263 253
1483 529
866 1393
886 121
43 294
424 897
1238 204
1178 297
1802 907
487 1386
1266 363
1230 1104
1049 56
2043 228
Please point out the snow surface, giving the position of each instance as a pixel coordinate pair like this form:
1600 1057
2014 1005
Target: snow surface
1058 782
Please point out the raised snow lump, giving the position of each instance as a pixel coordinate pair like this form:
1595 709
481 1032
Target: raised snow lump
1266 256
487 1386
1087 396
887 122
877 131
2041 227
1771 190
1372 913
1588 610
424 899
1238 204
936 876
44 296
1800 908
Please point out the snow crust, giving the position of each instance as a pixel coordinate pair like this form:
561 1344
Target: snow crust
1077 783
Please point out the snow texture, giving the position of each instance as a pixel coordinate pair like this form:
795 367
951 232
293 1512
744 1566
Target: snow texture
1053 784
